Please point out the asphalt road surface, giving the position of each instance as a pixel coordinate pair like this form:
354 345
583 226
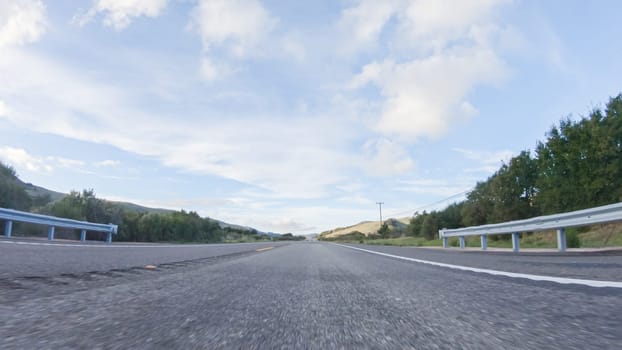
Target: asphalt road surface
302 296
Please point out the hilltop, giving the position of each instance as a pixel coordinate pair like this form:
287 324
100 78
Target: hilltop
367 228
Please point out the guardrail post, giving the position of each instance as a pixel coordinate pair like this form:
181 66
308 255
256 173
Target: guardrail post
515 242
561 239
462 242
83 236
51 233
109 237
8 228
484 239
444 242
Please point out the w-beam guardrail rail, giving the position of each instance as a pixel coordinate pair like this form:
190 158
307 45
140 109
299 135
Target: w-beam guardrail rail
599 215
10 216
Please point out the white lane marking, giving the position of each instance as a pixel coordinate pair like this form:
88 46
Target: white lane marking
123 246
561 280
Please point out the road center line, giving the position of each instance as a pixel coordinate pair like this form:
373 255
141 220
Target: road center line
263 249
561 280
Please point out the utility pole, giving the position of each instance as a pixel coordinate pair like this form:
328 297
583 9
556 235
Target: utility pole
380 207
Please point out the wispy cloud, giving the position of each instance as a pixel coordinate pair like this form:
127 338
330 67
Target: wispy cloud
385 158
4 109
120 13
235 27
46 164
281 154
363 23
335 110
485 161
436 187
106 163
21 22
425 93
19 157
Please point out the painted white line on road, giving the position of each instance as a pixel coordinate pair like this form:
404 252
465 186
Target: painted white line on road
122 245
561 280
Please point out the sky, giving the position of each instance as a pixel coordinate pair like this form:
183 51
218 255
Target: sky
292 116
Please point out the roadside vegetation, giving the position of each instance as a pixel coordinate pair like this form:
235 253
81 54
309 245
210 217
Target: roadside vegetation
597 236
577 166
135 225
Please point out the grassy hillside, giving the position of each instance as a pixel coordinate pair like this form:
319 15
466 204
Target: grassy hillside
37 191
366 228
131 207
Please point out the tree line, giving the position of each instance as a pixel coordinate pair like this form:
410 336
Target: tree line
137 226
577 166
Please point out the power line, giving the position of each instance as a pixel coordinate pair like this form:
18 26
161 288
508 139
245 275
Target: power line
431 204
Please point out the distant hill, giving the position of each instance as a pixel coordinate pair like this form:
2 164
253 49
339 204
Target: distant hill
37 191
247 228
34 197
367 228
131 207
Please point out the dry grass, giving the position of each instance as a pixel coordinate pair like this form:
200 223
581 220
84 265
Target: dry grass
608 235
597 236
365 227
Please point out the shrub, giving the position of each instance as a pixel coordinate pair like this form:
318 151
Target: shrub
572 239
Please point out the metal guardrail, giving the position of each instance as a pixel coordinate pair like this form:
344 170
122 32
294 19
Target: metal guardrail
559 222
10 216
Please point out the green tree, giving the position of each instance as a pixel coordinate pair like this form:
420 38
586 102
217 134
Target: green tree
451 216
478 205
430 225
580 163
383 231
512 190
414 226
13 195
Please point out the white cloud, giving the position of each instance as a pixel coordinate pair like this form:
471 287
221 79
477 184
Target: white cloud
280 154
356 199
449 53
486 161
21 22
64 162
436 187
106 163
434 24
385 157
295 219
288 226
238 25
234 27
212 71
120 13
425 97
287 156
363 23
18 157
4 109
293 46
